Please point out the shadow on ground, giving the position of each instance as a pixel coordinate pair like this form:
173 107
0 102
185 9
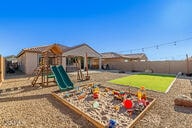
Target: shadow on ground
63 109
21 89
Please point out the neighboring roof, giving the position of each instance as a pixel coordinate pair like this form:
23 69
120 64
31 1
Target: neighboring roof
110 55
11 58
129 56
40 49
134 56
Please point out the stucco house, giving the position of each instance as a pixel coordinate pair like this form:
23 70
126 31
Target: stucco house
29 58
115 57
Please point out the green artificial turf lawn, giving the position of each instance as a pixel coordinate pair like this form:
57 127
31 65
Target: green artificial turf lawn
154 82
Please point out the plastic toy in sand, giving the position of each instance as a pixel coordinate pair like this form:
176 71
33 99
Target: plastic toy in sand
96 90
116 107
90 84
95 104
68 94
128 104
106 89
143 102
119 95
96 93
112 123
81 96
141 94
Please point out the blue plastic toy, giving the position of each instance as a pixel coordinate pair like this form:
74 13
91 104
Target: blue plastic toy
112 123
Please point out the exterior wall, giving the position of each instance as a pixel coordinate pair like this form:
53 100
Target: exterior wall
94 63
31 62
170 67
22 62
112 62
2 69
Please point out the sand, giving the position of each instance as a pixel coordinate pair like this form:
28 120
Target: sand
35 107
102 109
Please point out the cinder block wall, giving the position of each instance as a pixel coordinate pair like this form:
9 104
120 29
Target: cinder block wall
170 67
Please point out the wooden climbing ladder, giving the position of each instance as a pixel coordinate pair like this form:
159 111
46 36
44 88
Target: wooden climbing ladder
37 72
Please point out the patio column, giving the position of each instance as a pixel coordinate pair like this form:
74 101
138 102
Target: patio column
79 62
100 62
64 62
85 62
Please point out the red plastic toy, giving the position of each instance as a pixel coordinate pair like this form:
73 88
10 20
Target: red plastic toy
128 104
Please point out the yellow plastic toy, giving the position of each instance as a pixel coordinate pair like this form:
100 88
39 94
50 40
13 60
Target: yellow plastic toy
96 90
116 107
141 94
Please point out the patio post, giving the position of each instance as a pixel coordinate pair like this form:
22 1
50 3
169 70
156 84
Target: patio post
85 62
99 62
64 62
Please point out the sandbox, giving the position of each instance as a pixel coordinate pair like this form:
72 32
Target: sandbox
105 106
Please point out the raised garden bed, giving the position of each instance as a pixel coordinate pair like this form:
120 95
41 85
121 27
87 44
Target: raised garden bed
109 106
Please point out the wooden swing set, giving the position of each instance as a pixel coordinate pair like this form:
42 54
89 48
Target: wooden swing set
53 56
50 56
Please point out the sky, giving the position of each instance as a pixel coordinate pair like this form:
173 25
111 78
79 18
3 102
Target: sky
162 29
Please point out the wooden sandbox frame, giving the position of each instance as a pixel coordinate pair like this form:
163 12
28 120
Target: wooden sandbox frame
95 122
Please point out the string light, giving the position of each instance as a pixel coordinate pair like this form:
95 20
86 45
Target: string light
174 43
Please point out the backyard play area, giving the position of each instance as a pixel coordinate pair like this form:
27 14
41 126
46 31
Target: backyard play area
156 82
106 107
92 103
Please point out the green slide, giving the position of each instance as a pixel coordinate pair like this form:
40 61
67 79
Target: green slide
59 80
65 77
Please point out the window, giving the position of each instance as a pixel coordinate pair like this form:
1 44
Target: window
39 59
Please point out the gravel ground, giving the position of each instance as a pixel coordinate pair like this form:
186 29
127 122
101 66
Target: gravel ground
24 106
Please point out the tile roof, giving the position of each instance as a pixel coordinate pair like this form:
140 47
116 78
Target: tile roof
110 55
78 46
40 49
116 55
133 56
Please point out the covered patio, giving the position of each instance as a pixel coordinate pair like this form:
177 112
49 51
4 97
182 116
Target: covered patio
82 56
